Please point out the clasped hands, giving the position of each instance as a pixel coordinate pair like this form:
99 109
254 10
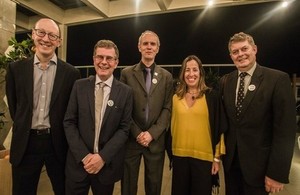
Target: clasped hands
93 163
272 186
144 138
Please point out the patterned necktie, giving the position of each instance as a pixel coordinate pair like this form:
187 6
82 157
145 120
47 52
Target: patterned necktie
240 94
148 85
98 107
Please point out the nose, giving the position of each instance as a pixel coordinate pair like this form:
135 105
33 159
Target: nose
240 52
45 38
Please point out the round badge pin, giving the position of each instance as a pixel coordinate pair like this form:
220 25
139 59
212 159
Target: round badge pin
154 81
251 87
110 103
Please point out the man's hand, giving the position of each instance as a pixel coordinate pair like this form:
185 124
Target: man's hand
144 138
93 163
272 186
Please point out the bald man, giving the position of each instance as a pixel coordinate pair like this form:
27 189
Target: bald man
38 91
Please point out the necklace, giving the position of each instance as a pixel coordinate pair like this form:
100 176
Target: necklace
193 94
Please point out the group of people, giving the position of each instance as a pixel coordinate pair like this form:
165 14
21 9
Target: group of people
93 132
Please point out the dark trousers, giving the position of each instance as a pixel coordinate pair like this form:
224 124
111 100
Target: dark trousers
235 183
39 152
191 176
83 187
153 163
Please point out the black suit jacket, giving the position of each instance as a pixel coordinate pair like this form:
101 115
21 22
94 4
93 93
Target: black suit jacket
79 126
265 133
19 91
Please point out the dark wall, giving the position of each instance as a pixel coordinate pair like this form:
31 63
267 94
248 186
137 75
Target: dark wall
200 32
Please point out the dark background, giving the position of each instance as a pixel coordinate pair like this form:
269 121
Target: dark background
204 33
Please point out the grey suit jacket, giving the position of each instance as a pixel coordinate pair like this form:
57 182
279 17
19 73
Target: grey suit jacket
160 97
79 126
19 91
265 133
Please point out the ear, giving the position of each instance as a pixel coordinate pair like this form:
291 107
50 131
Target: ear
255 48
59 42
117 62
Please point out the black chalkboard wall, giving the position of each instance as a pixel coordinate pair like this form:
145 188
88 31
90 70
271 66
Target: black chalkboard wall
201 32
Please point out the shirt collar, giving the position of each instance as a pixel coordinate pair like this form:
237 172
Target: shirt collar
250 72
53 60
144 66
108 82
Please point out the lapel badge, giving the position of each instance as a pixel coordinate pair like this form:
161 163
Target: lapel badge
154 81
251 87
155 73
110 103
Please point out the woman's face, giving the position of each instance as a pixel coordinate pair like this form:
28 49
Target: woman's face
192 74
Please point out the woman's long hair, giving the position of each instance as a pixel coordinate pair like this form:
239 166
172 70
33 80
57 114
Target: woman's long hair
182 87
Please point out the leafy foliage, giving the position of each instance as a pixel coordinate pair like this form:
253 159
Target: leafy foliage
21 50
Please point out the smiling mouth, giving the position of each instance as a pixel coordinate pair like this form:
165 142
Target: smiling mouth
191 79
103 67
45 45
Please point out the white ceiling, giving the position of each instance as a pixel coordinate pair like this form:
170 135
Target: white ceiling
87 11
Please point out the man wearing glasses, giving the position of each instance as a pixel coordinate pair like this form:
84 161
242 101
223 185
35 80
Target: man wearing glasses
97 124
38 91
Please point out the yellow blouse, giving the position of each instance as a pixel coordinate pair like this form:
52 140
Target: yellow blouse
191 133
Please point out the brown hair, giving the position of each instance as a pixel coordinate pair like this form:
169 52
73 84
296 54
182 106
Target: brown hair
239 37
107 44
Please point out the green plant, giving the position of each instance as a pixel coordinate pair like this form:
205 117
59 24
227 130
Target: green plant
21 50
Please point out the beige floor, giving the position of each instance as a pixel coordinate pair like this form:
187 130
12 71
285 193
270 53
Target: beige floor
291 189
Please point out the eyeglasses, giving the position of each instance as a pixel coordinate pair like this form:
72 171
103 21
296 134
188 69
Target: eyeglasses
42 33
108 59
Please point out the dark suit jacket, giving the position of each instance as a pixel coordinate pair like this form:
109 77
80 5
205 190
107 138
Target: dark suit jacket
160 96
79 126
265 133
19 91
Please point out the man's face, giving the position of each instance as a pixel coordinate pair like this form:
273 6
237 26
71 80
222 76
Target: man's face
148 46
243 55
46 38
105 62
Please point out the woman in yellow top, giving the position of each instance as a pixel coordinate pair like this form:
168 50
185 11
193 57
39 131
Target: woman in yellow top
196 130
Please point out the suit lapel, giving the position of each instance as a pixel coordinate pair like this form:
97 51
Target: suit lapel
157 76
114 93
28 84
91 95
139 75
231 92
255 82
59 77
